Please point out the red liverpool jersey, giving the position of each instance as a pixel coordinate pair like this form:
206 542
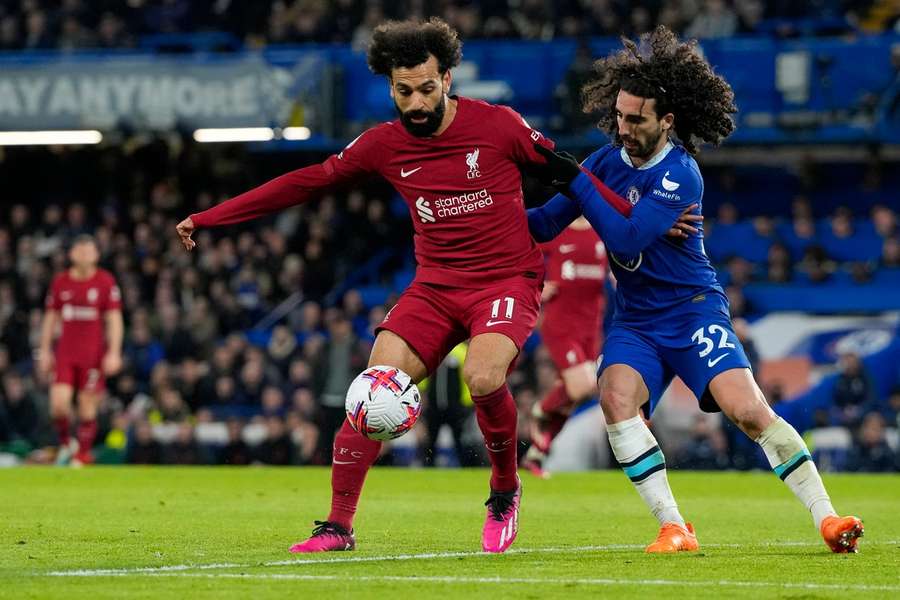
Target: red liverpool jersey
82 304
463 189
577 264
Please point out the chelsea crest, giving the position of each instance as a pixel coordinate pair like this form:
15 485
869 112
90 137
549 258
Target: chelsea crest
633 195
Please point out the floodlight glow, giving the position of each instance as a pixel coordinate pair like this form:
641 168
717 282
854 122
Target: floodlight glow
296 133
235 134
50 138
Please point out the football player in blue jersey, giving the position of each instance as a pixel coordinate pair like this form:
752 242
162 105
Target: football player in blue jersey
659 99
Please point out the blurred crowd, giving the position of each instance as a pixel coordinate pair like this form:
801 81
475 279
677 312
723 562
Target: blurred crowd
73 24
210 375
842 248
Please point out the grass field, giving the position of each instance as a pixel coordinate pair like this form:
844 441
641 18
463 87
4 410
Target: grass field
223 533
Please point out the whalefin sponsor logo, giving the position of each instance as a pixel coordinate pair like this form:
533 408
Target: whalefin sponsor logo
668 184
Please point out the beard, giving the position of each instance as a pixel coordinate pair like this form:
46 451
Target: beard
433 119
641 150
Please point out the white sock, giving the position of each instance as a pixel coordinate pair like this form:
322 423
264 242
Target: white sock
790 459
640 457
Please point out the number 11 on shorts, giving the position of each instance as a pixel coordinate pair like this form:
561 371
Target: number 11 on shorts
495 311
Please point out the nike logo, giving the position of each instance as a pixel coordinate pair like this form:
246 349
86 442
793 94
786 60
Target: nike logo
406 174
566 248
492 323
343 462
498 446
712 362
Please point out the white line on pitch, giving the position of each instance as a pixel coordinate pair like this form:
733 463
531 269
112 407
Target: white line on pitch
403 557
538 580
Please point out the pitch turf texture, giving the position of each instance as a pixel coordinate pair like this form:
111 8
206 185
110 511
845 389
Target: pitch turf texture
222 533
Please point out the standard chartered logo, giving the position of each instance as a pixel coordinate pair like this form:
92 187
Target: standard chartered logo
424 209
452 206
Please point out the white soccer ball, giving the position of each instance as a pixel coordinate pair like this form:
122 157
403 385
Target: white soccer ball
383 403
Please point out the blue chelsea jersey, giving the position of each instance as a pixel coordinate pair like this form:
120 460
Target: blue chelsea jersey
660 272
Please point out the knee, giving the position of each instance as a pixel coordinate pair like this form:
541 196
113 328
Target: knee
482 381
752 419
616 404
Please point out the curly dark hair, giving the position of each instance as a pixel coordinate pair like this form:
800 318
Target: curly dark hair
408 43
673 73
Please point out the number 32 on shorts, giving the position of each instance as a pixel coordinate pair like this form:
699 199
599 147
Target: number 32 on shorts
708 344
509 304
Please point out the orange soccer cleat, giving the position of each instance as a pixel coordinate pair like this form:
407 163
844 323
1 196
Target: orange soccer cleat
842 533
674 538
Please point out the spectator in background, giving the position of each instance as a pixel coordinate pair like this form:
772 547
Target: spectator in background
447 400
341 359
871 452
816 265
779 266
707 448
20 418
143 449
236 451
282 348
568 92
854 391
184 449
716 19
277 448
884 220
890 255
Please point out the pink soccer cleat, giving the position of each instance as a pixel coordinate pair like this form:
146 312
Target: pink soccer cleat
327 537
502 522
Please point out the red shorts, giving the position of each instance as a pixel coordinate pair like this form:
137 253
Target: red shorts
572 348
87 376
433 319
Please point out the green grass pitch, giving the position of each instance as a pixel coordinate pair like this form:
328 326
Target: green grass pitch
105 533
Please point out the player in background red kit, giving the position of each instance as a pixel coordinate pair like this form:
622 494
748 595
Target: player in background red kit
86 301
456 162
574 302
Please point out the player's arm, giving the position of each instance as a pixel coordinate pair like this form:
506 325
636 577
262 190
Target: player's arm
45 352
547 221
356 160
650 219
115 332
591 192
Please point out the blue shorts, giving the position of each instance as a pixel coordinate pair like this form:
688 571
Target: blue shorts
694 341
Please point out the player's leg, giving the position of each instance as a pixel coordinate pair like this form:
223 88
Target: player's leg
740 398
487 363
632 375
415 317
61 415
91 387
714 366
574 356
499 319
62 391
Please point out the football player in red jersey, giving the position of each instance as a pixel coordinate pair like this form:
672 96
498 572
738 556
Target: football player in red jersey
574 302
456 162
86 301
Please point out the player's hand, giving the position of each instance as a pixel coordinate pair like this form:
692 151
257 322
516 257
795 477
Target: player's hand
45 364
185 229
561 168
550 289
112 363
683 228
